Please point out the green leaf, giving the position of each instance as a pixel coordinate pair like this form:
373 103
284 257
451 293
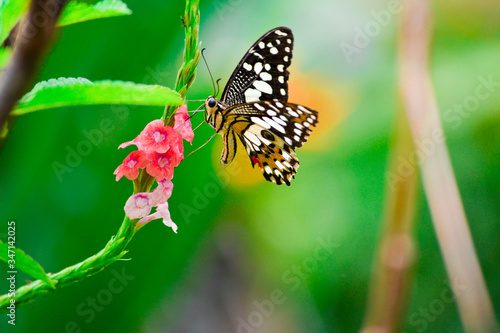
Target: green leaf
5 55
75 12
24 263
10 13
70 91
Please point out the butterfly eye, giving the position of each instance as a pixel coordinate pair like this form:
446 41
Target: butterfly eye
212 102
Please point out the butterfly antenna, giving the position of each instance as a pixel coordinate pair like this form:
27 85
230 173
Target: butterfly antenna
209 72
198 109
203 145
217 93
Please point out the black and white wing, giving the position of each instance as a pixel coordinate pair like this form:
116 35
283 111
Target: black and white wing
262 73
270 131
254 108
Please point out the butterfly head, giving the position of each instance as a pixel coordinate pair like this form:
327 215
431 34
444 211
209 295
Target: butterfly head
213 112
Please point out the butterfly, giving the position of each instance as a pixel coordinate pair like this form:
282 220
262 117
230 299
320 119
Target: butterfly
254 107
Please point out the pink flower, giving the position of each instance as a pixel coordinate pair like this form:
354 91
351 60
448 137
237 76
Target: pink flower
154 137
160 151
162 193
162 212
183 124
138 205
130 167
162 165
157 137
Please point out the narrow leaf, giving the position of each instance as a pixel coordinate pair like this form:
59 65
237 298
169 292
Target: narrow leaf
80 91
16 259
5 55
11 12
75 12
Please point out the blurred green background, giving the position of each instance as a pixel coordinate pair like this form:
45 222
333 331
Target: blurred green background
242 241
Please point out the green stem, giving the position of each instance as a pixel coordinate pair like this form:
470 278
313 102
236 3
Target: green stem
192 51
115 248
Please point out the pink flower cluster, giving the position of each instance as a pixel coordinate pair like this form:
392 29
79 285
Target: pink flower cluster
160 151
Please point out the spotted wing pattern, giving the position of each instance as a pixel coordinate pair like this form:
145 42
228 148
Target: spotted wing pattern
262 74
270 131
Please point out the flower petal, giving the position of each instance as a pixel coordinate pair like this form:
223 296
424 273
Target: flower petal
161 212
183 124
131 164
165 214
138 205
157 137
162 192
129 143
162 165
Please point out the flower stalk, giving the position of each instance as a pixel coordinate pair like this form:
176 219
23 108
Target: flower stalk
392 272
439 183
192 52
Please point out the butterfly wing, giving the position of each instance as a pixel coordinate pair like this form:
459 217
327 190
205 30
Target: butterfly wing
254 107
269 131
276 158
262 74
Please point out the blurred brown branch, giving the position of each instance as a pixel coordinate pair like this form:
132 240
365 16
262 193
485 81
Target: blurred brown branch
34 35
388 296
450 223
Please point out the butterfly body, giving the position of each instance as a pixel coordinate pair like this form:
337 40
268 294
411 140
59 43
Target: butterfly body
254 108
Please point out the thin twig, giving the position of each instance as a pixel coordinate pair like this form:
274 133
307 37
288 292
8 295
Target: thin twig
439 182
35 34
